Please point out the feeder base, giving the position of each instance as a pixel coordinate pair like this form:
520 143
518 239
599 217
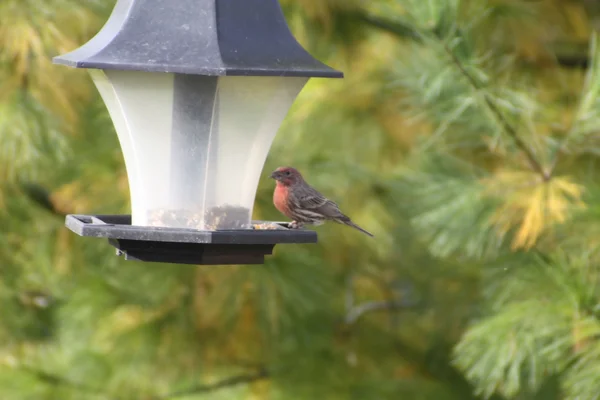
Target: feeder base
187 246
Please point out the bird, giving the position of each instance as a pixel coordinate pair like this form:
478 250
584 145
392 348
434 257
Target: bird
296 199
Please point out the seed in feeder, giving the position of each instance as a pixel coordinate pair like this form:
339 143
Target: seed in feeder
267 226
219 217
227 217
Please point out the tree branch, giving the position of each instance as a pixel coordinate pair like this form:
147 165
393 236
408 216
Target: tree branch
358 311
353 313
582 101
261 374
506 126
406 31
396 28
57 380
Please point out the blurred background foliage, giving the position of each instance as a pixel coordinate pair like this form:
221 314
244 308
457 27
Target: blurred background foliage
465 136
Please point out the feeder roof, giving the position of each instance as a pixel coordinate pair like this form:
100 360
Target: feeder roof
200 37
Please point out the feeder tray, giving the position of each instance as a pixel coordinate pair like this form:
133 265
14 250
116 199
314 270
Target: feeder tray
188 246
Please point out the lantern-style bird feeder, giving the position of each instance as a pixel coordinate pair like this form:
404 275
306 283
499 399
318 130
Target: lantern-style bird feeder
197 90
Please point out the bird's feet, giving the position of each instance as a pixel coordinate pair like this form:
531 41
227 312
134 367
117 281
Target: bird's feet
296 225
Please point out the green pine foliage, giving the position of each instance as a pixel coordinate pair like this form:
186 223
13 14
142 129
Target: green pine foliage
464 136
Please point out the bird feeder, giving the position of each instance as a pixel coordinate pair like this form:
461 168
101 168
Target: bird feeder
197 91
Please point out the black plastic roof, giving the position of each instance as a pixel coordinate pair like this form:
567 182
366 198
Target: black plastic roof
201 37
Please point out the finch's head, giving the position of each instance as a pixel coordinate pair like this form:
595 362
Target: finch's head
287 176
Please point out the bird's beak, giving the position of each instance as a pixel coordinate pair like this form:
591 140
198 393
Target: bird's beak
273 175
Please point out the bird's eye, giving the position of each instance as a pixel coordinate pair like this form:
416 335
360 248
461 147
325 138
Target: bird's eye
287 173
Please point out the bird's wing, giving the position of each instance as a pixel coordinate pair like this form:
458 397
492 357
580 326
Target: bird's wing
311 199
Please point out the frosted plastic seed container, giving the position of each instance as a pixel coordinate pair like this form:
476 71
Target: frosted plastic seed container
195 146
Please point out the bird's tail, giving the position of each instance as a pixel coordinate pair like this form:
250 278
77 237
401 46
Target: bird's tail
352 224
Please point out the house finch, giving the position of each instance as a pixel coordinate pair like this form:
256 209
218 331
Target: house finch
297 200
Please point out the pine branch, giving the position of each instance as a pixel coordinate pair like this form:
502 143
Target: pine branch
506 126
259 375
354 312
358 311
396 28
41 196
585 104
405 31
57 380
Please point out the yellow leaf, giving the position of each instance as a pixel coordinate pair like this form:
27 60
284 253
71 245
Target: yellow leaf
529 205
